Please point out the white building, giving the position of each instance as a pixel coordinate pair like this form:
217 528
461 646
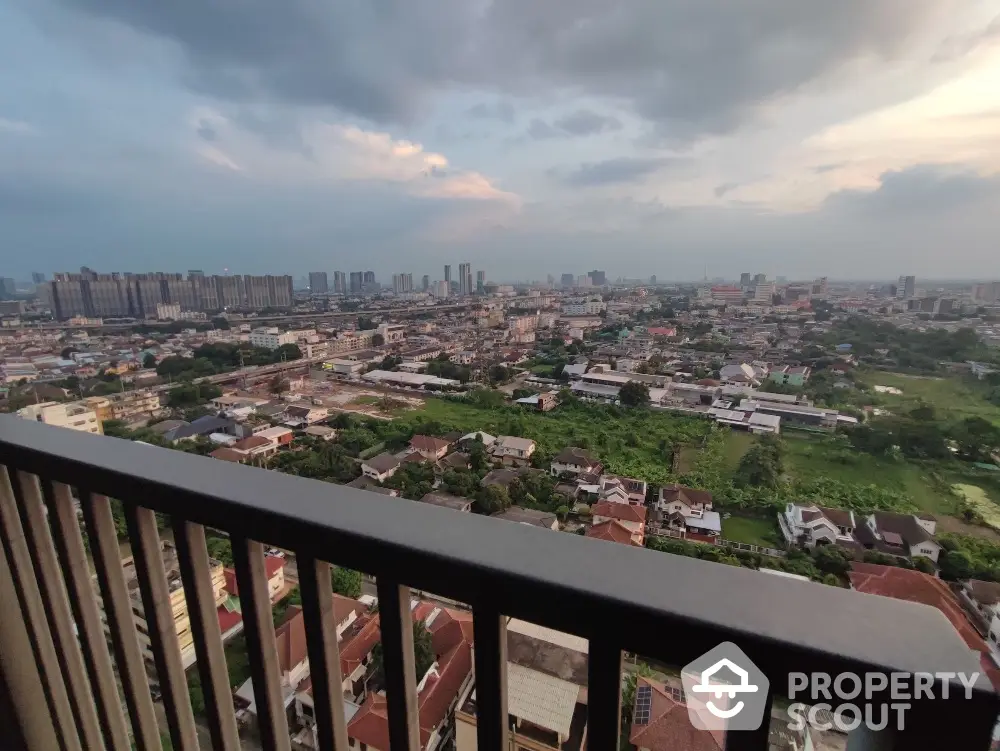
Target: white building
586 307
168 311
72 415
271 338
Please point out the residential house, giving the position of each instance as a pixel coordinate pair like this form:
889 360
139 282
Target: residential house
446 500
438 691
322 432
903 535
546 692
631 517
301 416
810 526
380 467
984 596
660 721
429 447
255 447
479 436
541 402
513 450
617 489
687 513
611 530
345 367
202 426
739 374
574 461
455 460
534 517
684 500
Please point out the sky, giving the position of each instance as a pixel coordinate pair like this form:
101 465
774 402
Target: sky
857 139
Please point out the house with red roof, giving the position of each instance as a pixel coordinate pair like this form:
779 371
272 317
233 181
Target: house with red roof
612 531
660 721
230 611
633 518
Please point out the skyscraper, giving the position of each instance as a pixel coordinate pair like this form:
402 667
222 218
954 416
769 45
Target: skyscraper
318 283
464 275
447 274
368 278
566 281
425 283
37 277
907 287
357 279
745 279
402 283
759 278
480 282
598 278
339 287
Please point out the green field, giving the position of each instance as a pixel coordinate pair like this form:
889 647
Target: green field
952 397
751 530
635 443
737 444
807 458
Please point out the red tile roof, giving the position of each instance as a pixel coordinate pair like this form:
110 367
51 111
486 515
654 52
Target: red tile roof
621 511
291 639
228 619
612 531
669 728
272 565
428 443
228 455
357 642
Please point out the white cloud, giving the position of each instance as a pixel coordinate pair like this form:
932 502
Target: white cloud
16 126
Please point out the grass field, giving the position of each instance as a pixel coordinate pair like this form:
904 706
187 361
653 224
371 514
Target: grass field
953 398
807 458
737 444
980 501
635 443
753 531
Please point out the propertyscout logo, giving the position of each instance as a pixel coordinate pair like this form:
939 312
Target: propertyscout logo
726 691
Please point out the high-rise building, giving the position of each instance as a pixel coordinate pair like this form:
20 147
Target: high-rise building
7 286
339 285
195 272
402 283
368 279
652 279
318 283
425 283
745 278
906 287
480 282
764 292
447 274
37 277
583 280
759 279
357 280
566 281
598 278
441 289
464 275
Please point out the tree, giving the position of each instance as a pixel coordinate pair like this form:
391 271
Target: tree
346 582
67 352
423 652
761 466
221 550
955 565
287 353
498 374
149 361
634 394
831 559
278 385
378 340
492 499
977 438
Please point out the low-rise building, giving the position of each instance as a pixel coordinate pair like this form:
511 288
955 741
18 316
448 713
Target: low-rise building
380 467
72 415
631 517
573 460
512 449
271 338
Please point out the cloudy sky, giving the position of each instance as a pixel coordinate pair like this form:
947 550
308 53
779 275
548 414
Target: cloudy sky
855 139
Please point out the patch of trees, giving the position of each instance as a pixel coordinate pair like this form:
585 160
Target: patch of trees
192 394
762 465
442 367
634 394
919 435
210 359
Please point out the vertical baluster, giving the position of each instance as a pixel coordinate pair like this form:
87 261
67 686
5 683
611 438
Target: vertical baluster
604 694
399 663
262 649
490 629
192 555
19 560
28 495
159 612
76 570
324 652
118 610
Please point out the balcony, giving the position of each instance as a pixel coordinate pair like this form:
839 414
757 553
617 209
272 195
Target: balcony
60 681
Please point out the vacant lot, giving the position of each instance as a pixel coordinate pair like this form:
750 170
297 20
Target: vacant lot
952 397
751 530
807 458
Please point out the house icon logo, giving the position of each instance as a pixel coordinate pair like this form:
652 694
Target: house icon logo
725 690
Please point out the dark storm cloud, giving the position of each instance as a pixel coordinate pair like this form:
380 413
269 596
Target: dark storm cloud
918 191
698 65
622 170
721 190
586 123
206 131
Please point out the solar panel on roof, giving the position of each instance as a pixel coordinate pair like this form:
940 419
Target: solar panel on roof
643 702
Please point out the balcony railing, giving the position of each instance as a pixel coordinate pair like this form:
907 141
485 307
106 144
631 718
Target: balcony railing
59 687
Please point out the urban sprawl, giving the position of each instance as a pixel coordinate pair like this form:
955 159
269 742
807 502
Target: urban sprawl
845 433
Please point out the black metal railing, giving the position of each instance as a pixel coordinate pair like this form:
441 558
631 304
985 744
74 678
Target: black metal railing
667 608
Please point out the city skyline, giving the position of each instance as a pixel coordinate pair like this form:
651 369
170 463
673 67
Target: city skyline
859 138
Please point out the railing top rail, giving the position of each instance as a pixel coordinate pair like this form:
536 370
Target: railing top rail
667 607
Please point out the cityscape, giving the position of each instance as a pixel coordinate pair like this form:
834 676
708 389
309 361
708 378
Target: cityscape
781 427
499 376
